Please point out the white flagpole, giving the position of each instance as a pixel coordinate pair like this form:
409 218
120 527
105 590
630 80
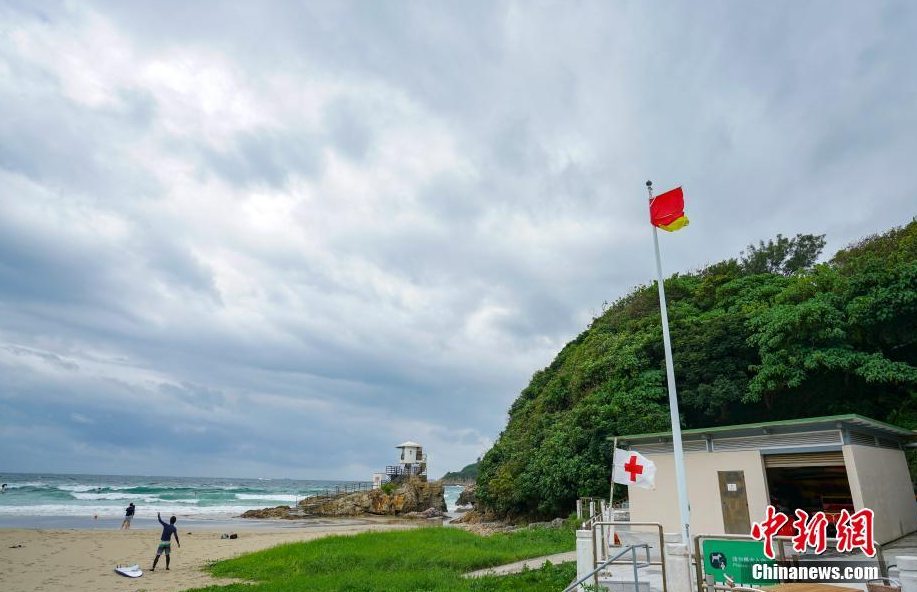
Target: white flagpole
680 480
611 490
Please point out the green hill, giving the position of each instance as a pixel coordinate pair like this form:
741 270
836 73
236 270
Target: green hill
769 335
467 474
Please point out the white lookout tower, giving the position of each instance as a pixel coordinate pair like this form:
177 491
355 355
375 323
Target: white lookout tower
411 452
412 462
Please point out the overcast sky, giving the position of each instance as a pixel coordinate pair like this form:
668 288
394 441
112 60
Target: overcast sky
259 239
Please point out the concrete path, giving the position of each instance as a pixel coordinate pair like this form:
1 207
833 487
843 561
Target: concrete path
511 568
906 545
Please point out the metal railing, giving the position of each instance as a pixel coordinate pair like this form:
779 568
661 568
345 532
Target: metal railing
593 509
341 489
781 556
589 507
632 549
615 514
600 524
406 470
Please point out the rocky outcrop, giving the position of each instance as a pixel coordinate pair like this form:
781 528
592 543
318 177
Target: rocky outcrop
477 516
466 498
425 515
275 512
411 496
472 517
556 523
482 523
412 499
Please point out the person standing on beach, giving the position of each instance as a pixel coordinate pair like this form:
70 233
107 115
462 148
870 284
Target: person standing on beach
128 516
165 541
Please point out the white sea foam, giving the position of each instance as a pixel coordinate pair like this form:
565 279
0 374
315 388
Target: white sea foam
85 488
134 497
113 496
117 511
77 487
269 497
450 495
26 484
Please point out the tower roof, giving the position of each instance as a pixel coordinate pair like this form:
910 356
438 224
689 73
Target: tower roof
408 444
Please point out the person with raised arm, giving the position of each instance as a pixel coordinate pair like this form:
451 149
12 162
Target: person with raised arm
165 541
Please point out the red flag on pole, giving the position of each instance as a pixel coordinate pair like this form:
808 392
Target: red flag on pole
667 210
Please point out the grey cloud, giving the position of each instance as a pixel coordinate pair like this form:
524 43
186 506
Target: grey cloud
160 432
516 149
348 129
177 265
265 157
197 394
347 324
72 149
53 359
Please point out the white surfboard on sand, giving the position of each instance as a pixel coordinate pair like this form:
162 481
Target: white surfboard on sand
131 571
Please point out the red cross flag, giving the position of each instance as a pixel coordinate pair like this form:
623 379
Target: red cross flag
632 468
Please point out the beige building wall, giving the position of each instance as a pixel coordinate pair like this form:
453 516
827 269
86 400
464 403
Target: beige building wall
879 480
661 504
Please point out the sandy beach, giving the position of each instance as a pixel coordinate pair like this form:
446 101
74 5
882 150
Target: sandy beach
57 560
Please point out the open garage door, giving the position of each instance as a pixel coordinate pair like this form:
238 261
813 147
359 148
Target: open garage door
813 481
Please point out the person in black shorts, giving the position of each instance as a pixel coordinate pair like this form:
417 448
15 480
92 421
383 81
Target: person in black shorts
165 541
128 516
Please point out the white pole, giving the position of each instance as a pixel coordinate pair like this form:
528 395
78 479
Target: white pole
610 541
611 490
680 480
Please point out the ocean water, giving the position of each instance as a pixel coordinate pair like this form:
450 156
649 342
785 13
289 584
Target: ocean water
33 498
106 496
451 493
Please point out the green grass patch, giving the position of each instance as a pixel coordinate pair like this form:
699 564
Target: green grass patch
402 561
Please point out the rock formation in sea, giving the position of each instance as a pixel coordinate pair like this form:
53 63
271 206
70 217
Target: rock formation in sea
466 498
413 495
275 512
413 498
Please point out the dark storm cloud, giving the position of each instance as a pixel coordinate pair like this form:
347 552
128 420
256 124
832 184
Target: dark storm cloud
292 236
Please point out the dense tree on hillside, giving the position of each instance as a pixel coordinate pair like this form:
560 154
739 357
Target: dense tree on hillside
770 336
469 473
784 255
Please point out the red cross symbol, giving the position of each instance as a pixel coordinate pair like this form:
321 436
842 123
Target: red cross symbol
633 468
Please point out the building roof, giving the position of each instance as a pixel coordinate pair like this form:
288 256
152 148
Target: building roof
408 444
850 420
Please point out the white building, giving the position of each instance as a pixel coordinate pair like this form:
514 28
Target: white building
411 452
819 463
412 462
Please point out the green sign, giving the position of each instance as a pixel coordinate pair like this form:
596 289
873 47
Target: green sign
733 558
